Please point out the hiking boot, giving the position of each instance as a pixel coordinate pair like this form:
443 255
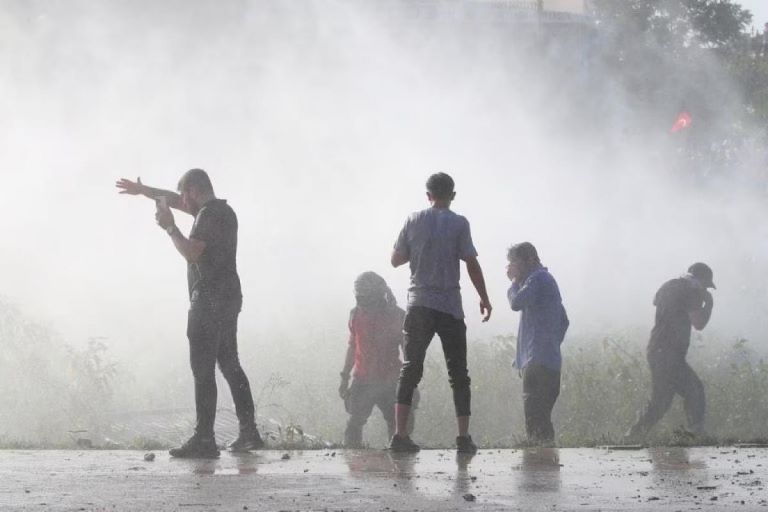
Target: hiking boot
464 444
249 439
403 444
196 448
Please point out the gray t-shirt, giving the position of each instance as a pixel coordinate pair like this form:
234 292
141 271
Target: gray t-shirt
434 240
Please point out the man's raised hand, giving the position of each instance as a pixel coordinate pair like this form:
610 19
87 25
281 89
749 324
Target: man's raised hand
129 187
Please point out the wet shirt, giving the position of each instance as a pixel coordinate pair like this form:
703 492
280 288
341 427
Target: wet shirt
674 301
376 335
435 240
215 273
543 321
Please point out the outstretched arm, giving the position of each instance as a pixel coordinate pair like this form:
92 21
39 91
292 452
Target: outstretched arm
478 281
135 188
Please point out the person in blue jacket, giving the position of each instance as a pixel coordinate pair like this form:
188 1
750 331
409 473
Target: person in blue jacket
543 323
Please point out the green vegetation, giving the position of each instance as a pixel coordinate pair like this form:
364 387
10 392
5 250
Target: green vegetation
59 395
695 56
51 392
605 382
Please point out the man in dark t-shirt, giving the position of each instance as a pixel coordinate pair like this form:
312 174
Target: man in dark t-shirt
215 273
681 304
215 302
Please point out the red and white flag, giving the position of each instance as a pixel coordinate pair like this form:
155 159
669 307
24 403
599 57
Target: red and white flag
682 122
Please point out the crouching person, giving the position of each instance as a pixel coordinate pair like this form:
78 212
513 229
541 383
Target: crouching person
373 356
543 323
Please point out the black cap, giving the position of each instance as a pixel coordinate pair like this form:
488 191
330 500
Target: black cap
703 273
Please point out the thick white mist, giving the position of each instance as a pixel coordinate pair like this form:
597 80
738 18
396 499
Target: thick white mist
320 122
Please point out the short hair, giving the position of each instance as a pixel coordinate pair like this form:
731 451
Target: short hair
440 186
197 178
524 251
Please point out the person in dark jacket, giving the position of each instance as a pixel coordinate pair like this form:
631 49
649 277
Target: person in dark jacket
543 323
681 304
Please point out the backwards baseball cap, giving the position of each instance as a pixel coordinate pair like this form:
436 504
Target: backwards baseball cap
703 273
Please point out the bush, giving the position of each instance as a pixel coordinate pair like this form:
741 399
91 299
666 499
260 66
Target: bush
58 393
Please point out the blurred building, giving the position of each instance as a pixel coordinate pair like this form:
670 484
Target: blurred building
564 27
495 11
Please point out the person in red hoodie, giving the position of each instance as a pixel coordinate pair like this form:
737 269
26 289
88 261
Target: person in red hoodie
373 356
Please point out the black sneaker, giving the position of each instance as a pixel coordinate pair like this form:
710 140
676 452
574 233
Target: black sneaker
196 448
464 444
403 444
249 439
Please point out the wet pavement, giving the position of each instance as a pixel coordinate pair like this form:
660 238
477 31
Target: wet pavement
433 480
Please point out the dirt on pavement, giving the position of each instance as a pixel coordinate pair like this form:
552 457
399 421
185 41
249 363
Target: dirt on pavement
433 480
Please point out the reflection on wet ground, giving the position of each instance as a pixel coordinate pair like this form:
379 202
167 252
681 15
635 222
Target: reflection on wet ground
540 470
529 479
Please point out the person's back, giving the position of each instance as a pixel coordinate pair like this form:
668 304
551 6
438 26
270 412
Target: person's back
433 241
437 239
377 337
373 356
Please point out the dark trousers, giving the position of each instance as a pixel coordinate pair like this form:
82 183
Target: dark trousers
420 326
671 375
541 387
212 333
362 398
